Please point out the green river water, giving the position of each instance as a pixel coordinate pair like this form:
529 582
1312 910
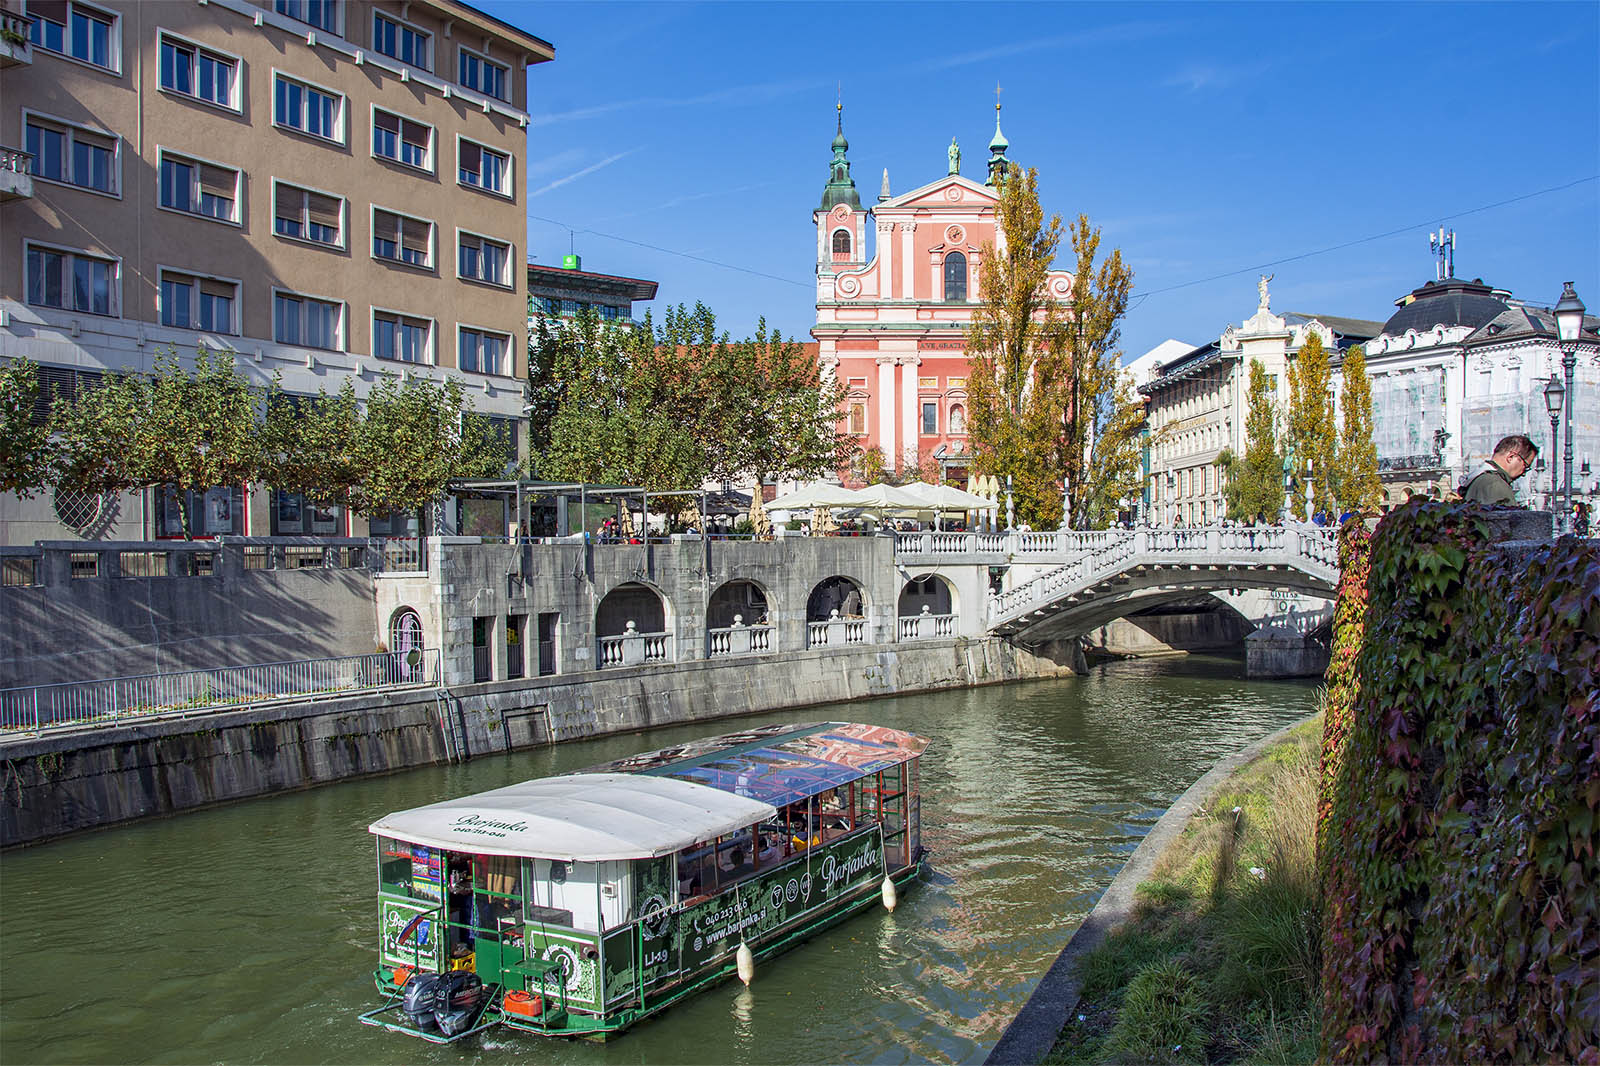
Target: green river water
247 933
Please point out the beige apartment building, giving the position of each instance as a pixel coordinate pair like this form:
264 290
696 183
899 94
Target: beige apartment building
330 189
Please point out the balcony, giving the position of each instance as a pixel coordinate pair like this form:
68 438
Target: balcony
16 174
15 48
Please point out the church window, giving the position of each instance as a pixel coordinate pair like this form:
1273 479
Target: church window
930 418
841 243
858 419
955 277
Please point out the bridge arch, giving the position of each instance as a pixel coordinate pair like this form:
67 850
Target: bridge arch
750 600
633 601
837 593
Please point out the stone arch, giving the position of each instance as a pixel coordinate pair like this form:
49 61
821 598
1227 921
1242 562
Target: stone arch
635 602
836 593
927 590
742 597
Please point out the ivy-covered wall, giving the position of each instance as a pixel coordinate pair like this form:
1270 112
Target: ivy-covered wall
1462 796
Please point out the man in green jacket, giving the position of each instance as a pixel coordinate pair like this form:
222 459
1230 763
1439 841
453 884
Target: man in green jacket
1511 459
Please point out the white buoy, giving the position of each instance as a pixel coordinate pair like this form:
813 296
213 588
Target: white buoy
890 896
745 961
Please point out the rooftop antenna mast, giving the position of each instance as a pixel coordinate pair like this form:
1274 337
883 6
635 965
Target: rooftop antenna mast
1443 245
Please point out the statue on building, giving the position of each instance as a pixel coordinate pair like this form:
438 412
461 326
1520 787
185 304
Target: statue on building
954 152
1261 286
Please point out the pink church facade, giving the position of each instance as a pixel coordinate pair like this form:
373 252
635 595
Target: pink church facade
892 325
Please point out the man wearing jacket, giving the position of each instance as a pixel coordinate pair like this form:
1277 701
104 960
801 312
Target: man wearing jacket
1511 459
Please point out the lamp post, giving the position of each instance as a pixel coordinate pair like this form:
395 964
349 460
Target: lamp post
1569 325
1172 499
1554 393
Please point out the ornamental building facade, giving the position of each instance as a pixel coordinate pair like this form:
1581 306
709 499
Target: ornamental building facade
892 316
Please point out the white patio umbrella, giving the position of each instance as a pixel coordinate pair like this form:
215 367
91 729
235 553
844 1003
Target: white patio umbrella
887 498
817 494
947 497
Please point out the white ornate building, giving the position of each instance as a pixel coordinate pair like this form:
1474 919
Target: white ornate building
1460 365
1198 401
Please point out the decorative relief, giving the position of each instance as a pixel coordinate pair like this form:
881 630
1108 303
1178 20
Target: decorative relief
908 227
1061 288
849 286
885 227
954 193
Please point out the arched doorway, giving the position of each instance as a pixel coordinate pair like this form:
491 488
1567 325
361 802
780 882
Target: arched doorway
405 644
835 594
930 591
744 599
632 602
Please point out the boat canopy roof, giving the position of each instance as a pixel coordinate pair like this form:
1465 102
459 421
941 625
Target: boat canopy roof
587 817
779 764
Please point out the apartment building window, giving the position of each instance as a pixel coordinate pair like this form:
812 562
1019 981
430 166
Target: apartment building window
482 259
193 301
484 168
71 281
70 28
399 40
199 188
482 351
484 75
323 14
307 215
402 337
401 238
307 321
305 108
199 72
930 418
397 137
72 155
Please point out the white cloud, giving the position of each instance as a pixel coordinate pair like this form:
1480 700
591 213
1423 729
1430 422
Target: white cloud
585 172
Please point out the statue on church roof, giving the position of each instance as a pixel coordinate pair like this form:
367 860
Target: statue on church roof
954 152
1261 287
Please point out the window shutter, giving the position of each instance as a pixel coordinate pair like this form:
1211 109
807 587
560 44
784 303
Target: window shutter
323 210
414 233
471 157
414 133
53 10
211 287
218 181
385 121
289 200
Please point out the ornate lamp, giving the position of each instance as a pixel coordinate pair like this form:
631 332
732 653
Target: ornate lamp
1569 326
1554 393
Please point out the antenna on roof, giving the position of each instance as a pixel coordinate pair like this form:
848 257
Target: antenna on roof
1443 245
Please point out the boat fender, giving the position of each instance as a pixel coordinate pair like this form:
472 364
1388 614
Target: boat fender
890 896
745 961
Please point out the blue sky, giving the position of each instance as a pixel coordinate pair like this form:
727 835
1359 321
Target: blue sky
1202 138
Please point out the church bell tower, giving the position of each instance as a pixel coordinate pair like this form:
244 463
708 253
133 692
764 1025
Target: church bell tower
841 220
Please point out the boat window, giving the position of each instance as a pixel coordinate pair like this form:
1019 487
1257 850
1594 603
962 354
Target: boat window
697 875
410 870
836 811
497 895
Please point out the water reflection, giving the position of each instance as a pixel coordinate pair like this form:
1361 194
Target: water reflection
246 933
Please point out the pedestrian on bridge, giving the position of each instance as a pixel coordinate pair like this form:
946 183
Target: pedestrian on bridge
1493 485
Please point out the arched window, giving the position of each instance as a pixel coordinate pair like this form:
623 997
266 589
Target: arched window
955 277
958 420
841 243
405 637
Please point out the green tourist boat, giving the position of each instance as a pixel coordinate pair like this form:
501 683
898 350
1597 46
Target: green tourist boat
578 905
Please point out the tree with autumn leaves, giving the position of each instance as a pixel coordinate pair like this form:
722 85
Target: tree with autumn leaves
1048 404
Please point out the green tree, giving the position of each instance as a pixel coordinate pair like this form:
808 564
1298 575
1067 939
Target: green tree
1015 344
1312 433
414 439
95 434
1253 486
1356 480
547 381
27 457
782 418
309 444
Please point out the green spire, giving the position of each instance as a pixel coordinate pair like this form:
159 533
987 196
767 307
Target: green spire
997 152
841 187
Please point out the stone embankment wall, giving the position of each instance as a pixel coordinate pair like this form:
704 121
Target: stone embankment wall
58 784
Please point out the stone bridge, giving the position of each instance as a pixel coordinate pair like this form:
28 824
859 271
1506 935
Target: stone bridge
1065 584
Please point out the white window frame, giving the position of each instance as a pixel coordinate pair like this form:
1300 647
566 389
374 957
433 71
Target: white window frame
341 117
344 216
510 190
113 63
163 154
163 269
431 267
403 25
341 331
433 140
235 86
430 355
115 290
462 51
507 279
337 8
68 129
507 352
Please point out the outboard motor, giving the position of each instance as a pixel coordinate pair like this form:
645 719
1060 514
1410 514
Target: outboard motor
419 998
457 998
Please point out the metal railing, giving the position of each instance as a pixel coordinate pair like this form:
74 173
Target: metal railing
400 555
119 698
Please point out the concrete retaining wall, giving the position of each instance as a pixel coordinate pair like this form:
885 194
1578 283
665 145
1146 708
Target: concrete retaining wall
59 784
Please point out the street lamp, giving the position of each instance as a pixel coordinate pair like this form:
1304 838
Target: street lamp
1554 393
1569 324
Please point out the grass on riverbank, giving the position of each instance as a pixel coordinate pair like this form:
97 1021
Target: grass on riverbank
1220 961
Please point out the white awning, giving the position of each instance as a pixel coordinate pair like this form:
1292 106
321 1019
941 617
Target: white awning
578 818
